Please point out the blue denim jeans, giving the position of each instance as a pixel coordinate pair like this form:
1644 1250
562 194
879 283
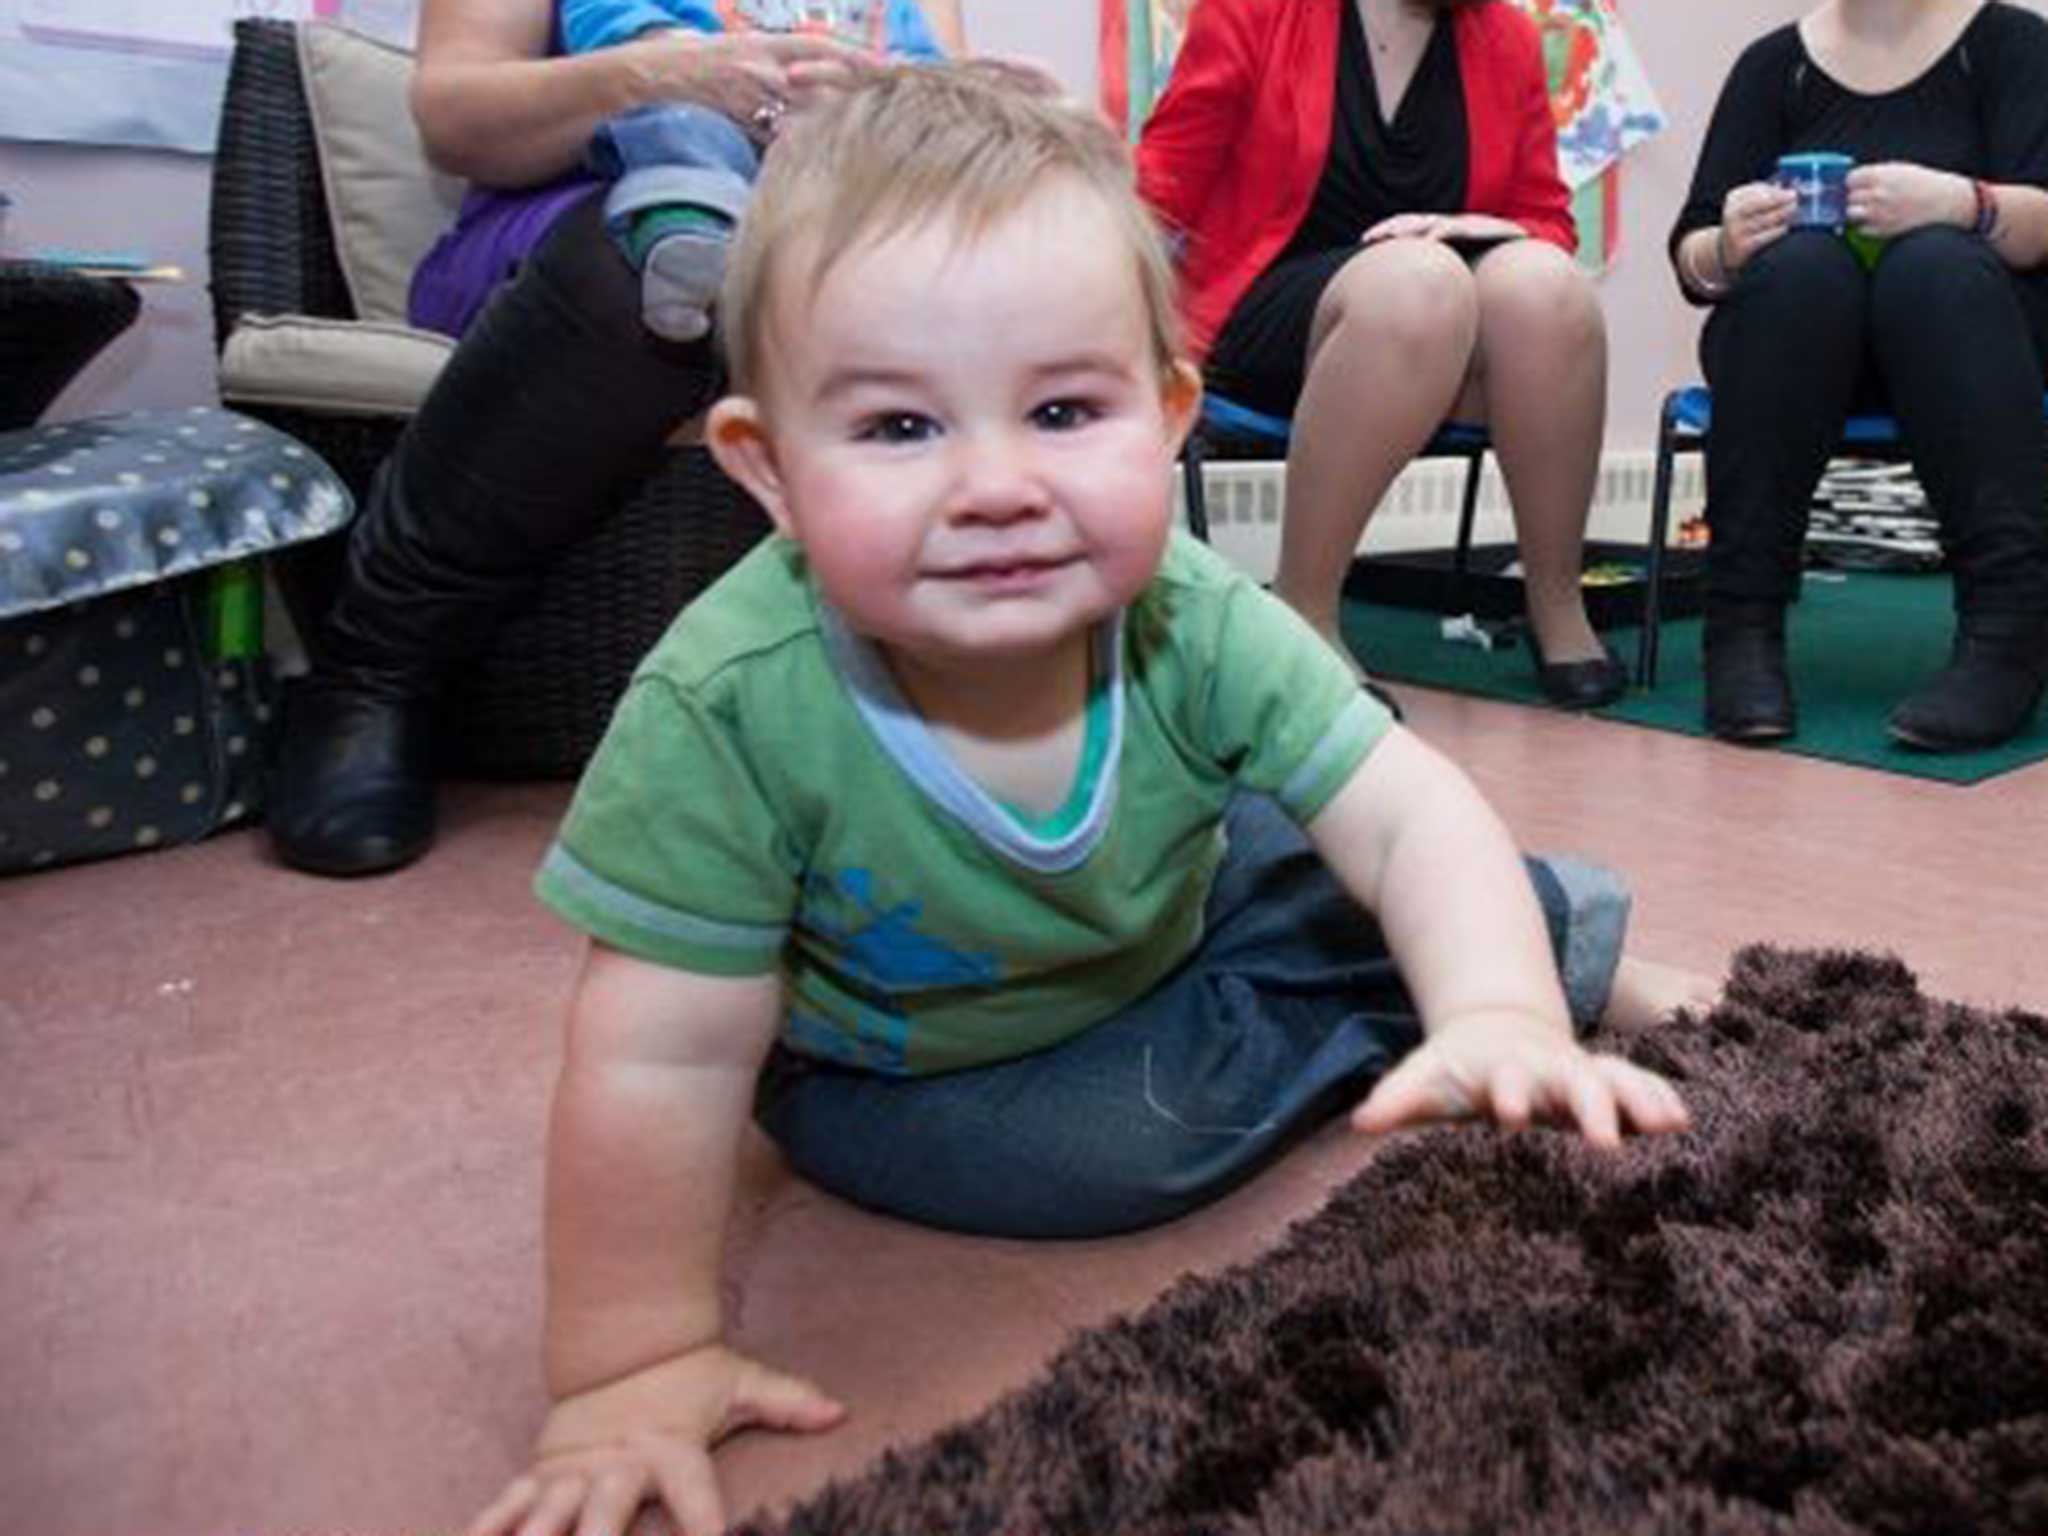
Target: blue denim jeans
1283 1017
662 155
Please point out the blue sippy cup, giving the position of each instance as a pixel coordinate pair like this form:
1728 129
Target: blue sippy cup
1822 182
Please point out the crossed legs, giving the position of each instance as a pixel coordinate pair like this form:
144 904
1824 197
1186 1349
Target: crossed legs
1407 335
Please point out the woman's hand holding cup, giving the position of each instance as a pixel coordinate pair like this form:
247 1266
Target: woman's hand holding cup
1889 199
1753 215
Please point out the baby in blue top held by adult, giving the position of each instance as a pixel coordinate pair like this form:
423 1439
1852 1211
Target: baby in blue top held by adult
1019 865
681 172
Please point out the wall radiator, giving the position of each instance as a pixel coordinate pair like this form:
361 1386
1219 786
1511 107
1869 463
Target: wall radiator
1247 497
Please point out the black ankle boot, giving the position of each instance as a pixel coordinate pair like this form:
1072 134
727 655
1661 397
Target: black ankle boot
1988 692
353 791
1749 695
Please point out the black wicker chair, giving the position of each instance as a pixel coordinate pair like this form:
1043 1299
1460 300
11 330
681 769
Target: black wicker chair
52 323
536 704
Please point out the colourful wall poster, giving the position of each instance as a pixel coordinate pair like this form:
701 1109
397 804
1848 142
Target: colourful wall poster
1599 94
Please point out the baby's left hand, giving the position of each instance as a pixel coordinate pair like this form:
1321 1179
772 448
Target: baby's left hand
1517 1071
1891 198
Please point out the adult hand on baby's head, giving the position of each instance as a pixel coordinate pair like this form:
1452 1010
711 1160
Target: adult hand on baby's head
1517 1072
1752 216
751 77
648 1437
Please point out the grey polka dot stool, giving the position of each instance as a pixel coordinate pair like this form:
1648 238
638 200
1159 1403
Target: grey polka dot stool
135 695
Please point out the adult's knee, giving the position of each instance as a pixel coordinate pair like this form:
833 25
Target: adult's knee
1534 291
578 271
1416 297
1804 297
1935 280
1808 270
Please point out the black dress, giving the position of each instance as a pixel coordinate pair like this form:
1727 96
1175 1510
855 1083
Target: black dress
1417 163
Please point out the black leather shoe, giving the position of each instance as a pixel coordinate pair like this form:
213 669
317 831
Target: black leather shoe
353 793
1749 694
1987 693
1580 684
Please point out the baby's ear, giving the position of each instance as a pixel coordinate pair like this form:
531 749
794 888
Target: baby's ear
737 435
1180 399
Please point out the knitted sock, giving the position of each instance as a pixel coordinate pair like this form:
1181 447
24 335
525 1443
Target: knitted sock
650 226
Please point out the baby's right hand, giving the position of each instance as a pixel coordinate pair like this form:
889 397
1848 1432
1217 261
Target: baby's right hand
648 1436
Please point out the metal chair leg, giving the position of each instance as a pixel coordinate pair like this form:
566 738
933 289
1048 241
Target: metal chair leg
1468 511
1653 573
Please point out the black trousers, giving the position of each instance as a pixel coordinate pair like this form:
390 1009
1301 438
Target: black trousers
1944 336
555 404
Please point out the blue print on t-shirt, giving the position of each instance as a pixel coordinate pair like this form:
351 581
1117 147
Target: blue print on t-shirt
885 949
882 952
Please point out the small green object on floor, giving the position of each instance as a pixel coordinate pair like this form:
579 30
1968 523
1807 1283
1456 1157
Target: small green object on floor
1860 642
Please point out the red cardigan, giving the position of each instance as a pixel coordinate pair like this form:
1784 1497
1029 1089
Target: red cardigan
1231 156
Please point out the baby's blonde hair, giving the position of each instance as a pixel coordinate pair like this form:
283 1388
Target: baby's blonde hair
961 143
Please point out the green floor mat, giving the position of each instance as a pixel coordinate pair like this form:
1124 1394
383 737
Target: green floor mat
1859 644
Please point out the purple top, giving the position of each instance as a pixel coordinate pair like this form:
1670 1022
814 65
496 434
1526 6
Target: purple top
493 233
495 230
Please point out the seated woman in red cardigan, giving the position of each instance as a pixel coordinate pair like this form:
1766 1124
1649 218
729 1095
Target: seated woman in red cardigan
1374 239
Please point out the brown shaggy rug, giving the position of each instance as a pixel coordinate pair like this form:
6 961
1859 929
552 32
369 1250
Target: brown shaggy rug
1824 1311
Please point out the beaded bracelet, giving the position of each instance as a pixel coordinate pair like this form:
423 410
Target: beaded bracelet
1987 209
1691 268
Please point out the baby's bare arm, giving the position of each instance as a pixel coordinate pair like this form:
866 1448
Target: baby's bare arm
1412 838
656 1087
1416 843
657 1083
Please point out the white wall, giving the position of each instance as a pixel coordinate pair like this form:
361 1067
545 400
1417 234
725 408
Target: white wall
1058 33
82 198
112 198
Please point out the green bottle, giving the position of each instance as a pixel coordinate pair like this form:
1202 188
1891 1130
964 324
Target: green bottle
1868 247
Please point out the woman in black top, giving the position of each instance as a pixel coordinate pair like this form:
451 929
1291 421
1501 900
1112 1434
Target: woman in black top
1944 106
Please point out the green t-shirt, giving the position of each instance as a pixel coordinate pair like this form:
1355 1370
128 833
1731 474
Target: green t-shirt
766 799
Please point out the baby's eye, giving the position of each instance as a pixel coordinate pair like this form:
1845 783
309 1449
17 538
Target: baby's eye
895 427
1064 415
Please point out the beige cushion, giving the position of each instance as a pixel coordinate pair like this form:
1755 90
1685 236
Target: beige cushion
387 204
346 367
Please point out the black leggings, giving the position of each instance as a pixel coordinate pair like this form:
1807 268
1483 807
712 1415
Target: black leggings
1943 335
556 402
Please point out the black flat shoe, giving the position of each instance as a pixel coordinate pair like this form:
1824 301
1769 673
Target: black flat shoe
1749 694
1580 684
353 793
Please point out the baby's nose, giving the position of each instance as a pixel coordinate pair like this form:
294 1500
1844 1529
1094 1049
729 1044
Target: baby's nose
998 477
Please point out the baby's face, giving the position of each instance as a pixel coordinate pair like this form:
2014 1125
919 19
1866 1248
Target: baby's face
973 440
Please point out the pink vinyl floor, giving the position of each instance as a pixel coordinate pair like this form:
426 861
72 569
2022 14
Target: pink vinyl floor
270 1147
